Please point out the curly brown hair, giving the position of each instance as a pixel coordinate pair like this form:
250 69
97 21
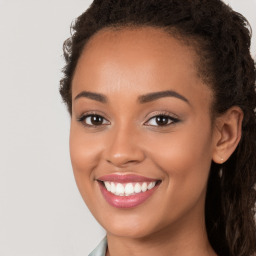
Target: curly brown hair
221 38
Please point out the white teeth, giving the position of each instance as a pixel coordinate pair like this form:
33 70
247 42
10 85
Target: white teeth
137 188
151 185
108 186
144 187
121 189
129 189
113 188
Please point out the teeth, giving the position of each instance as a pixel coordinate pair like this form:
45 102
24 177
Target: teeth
108 185
151 185
129 189
119 189
144 187
113 188
137 188
122 189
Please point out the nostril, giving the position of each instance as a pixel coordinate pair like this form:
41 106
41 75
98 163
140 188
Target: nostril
125 159
122 162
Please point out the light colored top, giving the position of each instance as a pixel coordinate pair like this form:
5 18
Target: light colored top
100 250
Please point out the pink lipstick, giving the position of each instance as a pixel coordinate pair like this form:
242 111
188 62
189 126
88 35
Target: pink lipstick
126 191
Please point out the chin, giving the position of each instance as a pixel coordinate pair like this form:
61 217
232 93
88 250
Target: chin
129 232
130 226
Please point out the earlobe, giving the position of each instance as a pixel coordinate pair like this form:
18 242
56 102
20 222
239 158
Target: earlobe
227 134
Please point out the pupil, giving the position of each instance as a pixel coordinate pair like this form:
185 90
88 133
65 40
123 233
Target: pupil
162 120
96 120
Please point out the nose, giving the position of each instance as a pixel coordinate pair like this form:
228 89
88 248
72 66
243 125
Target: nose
124 148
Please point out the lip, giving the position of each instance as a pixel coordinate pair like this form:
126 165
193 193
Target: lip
124 178
126 201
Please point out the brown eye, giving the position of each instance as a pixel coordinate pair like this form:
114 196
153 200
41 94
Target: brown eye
96 120
161 120
93 120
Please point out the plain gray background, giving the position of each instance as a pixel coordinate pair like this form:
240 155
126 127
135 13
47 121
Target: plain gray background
41 211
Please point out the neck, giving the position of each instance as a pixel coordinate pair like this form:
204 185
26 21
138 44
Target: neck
186 237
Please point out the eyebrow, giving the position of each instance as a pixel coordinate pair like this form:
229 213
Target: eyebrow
157 95
92 95
142 99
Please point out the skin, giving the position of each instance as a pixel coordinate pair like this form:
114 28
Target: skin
122 65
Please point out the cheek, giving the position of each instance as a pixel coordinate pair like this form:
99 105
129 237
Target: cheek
184 159
85 155
84 152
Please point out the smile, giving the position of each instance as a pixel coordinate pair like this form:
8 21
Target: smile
126 191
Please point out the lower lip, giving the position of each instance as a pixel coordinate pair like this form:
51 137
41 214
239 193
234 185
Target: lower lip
126 201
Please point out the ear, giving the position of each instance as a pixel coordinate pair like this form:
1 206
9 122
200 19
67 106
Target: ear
227 134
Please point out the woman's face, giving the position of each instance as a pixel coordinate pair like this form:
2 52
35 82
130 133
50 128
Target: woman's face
141 128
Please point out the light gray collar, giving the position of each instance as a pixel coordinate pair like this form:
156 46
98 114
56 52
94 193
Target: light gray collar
100 250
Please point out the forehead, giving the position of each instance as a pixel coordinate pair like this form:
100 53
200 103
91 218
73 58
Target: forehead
138 44
148 59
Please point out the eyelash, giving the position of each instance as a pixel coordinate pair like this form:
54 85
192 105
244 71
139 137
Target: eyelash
170 120
90 115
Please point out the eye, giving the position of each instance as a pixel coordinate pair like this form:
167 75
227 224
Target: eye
93 120
161 120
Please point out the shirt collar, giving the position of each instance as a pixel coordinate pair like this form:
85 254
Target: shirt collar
100 250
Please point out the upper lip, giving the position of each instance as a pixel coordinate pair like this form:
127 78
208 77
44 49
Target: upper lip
123 178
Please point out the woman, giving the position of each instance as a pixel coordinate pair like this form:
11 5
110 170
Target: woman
163 129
